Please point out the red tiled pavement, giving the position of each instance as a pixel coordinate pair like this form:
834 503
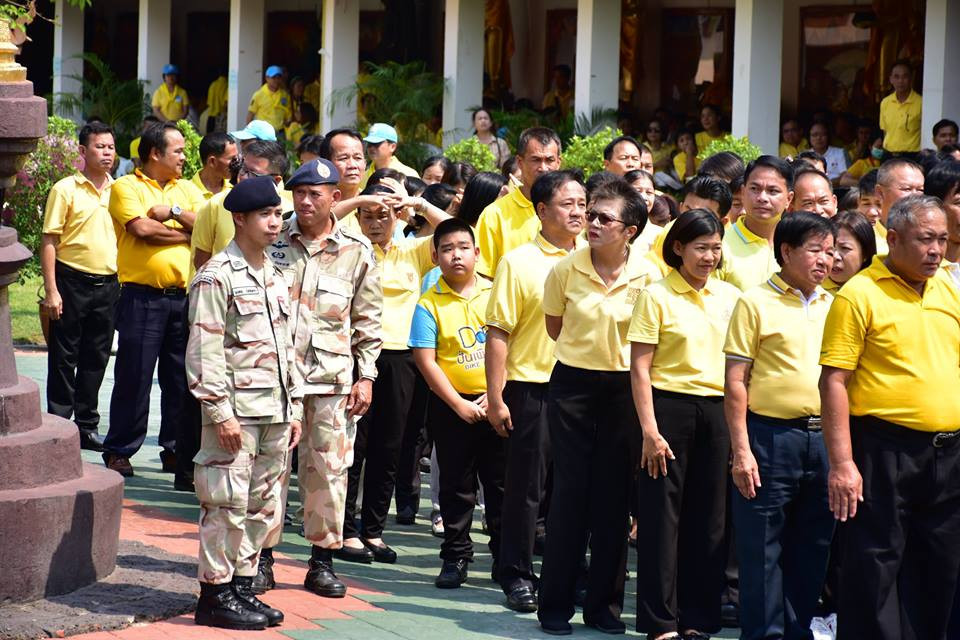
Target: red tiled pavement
156 527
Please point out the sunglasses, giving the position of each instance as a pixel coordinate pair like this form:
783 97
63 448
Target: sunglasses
603 218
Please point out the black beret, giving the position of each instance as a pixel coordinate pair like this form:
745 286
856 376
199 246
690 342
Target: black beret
252 194
319 171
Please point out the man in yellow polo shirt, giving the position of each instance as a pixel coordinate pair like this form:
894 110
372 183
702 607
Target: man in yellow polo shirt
217 104
511 221
78 256
748 256
519 359
153 213
772 406
793 142
891 420
901 112
896 179
271 102
381 143
217 152
170 101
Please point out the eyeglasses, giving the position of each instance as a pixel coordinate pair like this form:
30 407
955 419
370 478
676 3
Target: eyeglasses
250 173
603 218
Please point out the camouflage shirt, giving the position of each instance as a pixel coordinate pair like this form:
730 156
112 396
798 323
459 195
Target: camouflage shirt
337 301
240 360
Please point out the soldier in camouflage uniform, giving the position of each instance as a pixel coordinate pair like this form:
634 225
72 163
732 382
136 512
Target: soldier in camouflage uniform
242 369
336 302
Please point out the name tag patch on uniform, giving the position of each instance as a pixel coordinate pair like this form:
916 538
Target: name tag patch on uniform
246 291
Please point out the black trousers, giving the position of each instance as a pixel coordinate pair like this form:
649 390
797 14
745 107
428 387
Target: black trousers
188 437
407 490
591 423
379 436
901 552
528 458
681 550
152 333
464 452
80 343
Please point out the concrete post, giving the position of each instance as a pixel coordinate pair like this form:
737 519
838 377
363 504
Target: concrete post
597 74
339 59
154 41
757 59
462 66
941 86
245 74
67 47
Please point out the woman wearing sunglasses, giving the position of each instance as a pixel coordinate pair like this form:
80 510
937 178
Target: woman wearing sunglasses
677 365
588 299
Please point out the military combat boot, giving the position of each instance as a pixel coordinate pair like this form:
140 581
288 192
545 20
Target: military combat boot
264 581
320 576
219 606
242 588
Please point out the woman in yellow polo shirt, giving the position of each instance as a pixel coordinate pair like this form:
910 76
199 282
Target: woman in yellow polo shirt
676 369
587 301
856 245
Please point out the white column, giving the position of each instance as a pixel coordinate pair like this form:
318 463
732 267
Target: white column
941 86
339 58
67 47
757 61
462 66
153 34
597 75
245 74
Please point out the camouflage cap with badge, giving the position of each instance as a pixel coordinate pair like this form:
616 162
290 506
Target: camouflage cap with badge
319 171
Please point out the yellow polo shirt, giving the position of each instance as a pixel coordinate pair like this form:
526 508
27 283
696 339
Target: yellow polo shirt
454 326
880 234
170 103
787 149
595 317
207 194
138 261
862 167
900 122
503 225
703 139
830 286
394 164
312 93
903 348
135 148
516 307
779 331
272 106
217 97
688 328
680 164
78 213
644 242
748 259
401 269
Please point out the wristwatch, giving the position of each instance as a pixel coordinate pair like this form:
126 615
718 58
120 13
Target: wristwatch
175 212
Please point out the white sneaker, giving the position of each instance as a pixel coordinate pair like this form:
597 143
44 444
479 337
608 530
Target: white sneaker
822 629
436 524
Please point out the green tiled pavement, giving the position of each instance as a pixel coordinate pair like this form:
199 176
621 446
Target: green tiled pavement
412 608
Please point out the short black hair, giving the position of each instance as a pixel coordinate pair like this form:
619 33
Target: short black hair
547 185
439 195
902 62
945 122
709 188
386 172
942 179
95 128
689 226
633 211
779 165
808 156
726 166
325 149
272 152
861 229
432 160
608 150
794 229
638 174
311 144
806 171
414 186
376 190
543 135
458 173
449 227
599 178
155 137
213 144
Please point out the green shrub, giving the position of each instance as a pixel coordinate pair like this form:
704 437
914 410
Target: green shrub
57 156
747 151
586 152
472 151
191 149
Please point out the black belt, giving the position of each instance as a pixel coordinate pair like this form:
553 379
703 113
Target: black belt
92 278
936 439
809 423
169 291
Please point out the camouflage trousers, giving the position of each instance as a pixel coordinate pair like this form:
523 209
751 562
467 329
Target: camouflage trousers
239 498
326 453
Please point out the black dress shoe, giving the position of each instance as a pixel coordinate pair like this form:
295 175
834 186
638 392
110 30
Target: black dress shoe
608 625
183 484
522 599
219 606
349 554
243 587
120 464
452 574
168 461
321 579
406 516
91 441
556 628
381 552
579 597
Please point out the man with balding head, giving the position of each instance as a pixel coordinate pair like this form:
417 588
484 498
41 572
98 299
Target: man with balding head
897 178
812 192
891 424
